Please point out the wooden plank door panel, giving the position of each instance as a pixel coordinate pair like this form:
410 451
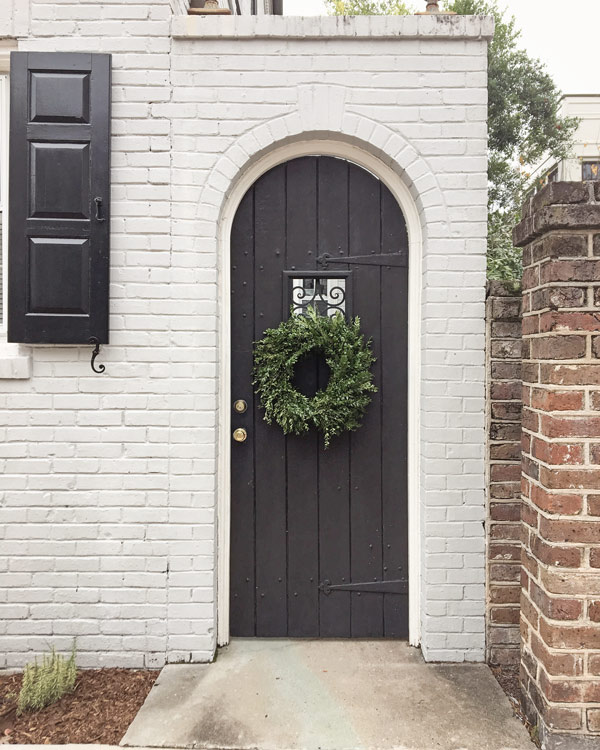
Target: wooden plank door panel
242 530
269 443
302 451
334 470
364 218
394 387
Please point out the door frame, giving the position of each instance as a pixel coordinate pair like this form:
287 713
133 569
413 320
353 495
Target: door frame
407 204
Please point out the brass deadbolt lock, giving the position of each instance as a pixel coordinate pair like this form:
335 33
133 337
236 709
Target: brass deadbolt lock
240 406
240 435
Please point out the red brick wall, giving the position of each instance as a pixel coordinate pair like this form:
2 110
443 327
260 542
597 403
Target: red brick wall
503 313
560 603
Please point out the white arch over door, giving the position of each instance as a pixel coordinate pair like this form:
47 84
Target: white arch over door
401 192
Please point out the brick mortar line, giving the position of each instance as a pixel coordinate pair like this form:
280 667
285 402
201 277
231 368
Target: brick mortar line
579 597
568 624
577 545
559 442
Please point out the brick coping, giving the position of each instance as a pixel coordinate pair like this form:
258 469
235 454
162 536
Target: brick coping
559 206
340 27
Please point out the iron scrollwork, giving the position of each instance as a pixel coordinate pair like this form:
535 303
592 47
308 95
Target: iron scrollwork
325 293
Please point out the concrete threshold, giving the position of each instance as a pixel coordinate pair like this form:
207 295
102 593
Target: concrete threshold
326 695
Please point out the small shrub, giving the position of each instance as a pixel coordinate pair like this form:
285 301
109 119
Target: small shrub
45 683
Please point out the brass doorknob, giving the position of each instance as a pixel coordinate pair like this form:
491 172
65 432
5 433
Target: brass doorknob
240 435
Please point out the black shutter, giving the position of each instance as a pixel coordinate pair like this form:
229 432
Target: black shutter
58 259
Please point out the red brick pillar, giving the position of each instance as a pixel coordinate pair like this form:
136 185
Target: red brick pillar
560 597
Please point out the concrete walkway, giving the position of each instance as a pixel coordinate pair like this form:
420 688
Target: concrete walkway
326 695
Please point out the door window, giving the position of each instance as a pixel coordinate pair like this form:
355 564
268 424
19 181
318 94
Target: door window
326 292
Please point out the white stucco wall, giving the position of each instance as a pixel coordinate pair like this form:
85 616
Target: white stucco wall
110 482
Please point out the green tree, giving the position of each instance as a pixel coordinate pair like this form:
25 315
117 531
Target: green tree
523 120
524 124
368 8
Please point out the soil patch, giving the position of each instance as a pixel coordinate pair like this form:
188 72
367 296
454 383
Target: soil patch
100 708
508 679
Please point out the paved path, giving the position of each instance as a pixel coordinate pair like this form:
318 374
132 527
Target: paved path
326 695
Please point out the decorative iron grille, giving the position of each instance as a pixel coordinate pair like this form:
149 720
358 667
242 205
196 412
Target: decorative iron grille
326 292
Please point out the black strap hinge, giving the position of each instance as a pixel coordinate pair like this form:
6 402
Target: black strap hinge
398 586
391 259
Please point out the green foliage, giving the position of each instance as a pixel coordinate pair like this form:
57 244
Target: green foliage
523 120
524 124
368 8
504 260
47 682
342 404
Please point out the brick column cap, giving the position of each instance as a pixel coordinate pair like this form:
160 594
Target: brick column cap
559 205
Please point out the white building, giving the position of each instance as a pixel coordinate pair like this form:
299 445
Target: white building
236 140
583 162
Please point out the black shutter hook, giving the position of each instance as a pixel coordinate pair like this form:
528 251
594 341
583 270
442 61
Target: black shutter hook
96 344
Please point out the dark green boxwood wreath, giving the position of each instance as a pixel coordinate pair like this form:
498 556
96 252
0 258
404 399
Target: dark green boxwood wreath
337 408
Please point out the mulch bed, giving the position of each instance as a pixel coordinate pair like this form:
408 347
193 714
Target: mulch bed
100 708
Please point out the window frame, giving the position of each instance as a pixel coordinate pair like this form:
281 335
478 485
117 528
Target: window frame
4 151
583 165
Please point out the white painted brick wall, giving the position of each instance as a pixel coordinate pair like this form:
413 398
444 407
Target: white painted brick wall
108 503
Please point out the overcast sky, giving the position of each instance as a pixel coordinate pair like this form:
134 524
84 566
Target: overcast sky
562 33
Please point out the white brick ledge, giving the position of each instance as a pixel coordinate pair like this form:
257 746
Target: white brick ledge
317 27
15 363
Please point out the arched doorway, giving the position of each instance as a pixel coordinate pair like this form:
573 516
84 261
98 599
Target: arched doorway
319 539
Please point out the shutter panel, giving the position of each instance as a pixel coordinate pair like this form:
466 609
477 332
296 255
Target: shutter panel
59 198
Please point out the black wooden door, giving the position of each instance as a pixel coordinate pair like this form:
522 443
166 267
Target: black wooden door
319 537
